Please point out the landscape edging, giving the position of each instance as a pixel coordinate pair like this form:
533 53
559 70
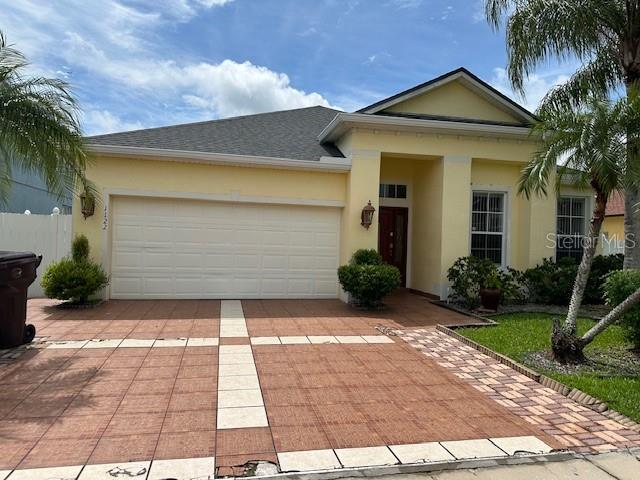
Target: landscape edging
574 394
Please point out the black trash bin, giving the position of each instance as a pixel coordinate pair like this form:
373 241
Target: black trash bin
17 272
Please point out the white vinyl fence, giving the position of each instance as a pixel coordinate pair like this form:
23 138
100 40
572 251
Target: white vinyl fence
46 235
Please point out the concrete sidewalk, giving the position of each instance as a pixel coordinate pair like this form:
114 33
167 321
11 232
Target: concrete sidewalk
621 465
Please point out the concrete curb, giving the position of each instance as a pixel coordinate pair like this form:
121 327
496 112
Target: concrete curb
367 472
574 394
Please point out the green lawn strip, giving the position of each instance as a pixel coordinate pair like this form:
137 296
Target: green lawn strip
517 335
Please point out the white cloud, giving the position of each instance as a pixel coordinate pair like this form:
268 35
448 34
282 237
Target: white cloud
230 88
405 3
96 122
115 49
478 12
213 3
536 85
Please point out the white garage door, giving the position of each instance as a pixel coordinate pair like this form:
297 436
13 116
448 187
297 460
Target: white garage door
172 248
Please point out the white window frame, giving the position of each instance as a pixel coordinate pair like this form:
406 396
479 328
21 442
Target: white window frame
587 209
506 219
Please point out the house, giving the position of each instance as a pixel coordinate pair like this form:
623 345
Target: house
612 238
28 191
268 205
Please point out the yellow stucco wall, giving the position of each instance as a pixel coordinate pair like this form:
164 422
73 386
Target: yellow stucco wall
440 101
194 179
614 226
612 238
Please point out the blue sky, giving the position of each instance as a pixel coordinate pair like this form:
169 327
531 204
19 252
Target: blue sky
143 63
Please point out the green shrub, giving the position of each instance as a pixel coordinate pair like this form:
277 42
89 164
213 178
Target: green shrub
617 287
74 279
80 249
551 283
366 257
467 275
512 285
367 279
601 267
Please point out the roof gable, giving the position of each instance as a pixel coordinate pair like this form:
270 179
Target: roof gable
457 95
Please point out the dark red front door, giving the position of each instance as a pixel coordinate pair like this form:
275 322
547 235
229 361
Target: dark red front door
392 240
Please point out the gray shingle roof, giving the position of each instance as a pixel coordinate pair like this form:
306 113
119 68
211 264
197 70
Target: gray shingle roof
286 134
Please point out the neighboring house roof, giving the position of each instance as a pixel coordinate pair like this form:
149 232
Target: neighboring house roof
470 80
286 134
615 205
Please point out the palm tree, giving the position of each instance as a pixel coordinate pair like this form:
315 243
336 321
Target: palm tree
39 130
590 143
604 35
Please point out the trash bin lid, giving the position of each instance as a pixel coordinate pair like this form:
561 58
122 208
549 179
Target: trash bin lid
13 256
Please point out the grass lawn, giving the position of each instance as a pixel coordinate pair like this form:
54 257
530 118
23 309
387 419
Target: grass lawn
519 335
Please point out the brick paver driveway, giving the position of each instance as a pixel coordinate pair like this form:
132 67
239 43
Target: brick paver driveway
174 389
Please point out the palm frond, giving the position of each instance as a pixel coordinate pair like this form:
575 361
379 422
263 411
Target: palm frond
39 127
586 144
539 30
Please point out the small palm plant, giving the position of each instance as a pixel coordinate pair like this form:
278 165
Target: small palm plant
39 129
591 145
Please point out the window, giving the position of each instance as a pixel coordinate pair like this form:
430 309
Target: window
388 190
571 224
487 226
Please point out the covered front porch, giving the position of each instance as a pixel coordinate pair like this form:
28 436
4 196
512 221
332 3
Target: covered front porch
432 208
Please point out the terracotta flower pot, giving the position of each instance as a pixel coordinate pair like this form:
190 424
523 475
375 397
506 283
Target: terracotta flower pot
490 298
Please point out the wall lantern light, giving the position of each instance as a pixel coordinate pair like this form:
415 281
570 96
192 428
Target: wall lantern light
87 204
367 215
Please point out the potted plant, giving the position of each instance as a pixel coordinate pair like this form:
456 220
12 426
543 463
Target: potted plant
491 291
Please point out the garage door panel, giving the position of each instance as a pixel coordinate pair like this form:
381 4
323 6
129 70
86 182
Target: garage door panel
168 248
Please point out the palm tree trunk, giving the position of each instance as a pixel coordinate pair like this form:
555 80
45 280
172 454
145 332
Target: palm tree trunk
612 317
566 345
631 194
631 229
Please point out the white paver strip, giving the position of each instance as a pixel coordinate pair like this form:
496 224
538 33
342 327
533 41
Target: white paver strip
365 456
232 331
232 322
183 469
421 453
235 369
58 473
234 349
308 461
203 342
265 341
106 343
320 339
239 382
463 449
137 343
243 417
522 445
4 474
377 339
350 339
68 344
135 470
240 398
295 340
236 358
170 342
